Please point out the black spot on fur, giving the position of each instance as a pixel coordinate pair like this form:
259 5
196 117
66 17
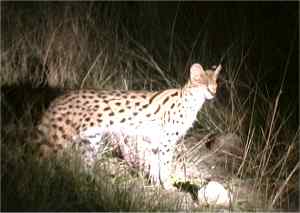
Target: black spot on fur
166 99
157 110
174 94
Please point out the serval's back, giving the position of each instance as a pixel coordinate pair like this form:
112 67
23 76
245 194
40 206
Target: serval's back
160 117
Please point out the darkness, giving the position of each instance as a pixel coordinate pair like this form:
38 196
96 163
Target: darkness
261 38
266 32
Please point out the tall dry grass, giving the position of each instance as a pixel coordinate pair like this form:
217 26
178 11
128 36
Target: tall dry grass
71 46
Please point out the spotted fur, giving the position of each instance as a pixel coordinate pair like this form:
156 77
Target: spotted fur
161 118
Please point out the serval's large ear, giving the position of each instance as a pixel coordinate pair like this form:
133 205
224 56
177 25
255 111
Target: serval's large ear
217 70
197 74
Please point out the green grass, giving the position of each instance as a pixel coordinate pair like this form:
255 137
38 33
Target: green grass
47 49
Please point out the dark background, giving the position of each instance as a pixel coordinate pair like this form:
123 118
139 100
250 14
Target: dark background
261 38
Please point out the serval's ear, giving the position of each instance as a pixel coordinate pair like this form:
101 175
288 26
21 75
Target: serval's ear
217 70
197 74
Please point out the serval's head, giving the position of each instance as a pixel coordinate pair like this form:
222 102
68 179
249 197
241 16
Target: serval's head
205 82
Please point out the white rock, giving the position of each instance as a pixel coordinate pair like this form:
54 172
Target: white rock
214 194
